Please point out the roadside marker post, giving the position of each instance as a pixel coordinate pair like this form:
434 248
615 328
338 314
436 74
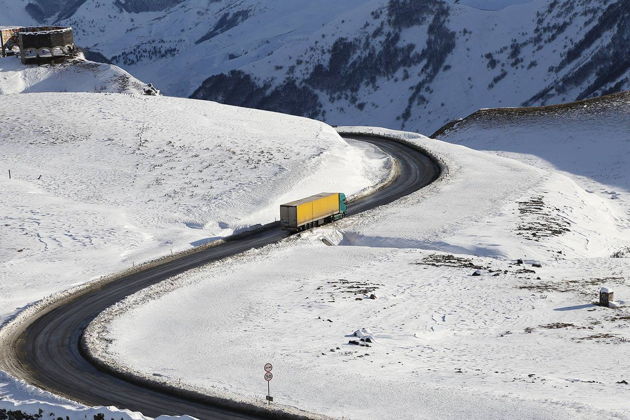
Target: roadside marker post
268 378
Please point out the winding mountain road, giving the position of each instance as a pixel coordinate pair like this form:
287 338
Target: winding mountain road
46 351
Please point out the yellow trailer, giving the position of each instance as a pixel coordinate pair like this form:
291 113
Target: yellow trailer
313 211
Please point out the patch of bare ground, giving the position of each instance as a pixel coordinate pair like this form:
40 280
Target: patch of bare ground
602 338
348 289
441 260
540 221
622 253
524 271
581 286
557 325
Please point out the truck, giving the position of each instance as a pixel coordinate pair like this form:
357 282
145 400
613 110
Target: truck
313 211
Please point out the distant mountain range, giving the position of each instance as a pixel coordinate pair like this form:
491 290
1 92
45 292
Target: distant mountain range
397 63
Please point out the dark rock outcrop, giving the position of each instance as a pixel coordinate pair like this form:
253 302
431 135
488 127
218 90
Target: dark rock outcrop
42 10
139 6
239 88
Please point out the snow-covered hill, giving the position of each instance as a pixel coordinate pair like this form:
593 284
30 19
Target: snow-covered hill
102 181
76 76
396 63
460 328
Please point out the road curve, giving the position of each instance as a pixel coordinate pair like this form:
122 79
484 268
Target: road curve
46 351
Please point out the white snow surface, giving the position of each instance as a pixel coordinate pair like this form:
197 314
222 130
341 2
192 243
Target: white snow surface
102 182
520 340
588 141
78 75
19 396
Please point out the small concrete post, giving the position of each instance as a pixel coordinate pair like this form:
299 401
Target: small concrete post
606 296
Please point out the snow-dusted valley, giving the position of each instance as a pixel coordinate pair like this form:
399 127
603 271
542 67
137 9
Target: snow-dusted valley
404 64
470 298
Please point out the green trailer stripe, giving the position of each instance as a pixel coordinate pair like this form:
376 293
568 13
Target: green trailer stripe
342 203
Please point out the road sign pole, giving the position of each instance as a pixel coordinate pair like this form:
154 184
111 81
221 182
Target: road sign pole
268 378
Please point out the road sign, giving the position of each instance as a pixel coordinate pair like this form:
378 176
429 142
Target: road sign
268 378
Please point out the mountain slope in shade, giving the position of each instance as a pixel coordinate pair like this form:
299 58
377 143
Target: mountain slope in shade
397 63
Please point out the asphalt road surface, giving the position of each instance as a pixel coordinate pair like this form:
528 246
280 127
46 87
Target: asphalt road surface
46 351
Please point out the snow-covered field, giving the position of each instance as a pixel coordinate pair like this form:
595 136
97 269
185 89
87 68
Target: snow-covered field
100 182
461 328
76 76
18 397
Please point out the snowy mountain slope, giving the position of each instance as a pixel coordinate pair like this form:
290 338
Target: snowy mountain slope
76 76
460 328
396 63
588 140
102 181
530 212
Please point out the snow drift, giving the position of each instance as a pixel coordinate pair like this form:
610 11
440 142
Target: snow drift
73 76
